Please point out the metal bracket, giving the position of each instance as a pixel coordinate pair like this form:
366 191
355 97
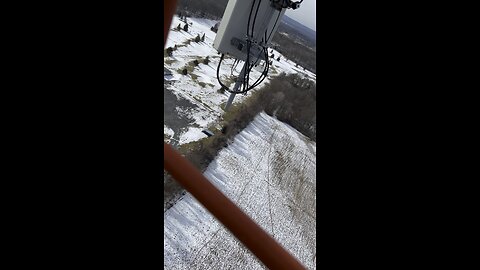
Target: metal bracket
255 49
280 4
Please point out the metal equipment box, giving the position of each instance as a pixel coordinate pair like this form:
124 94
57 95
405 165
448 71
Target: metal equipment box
232 32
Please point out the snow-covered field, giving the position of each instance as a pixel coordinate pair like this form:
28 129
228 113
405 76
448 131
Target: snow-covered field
269 171
200 87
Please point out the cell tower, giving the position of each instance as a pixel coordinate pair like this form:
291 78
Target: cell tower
245 32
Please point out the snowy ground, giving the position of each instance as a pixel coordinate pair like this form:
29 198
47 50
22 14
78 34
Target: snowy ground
198 91
269 171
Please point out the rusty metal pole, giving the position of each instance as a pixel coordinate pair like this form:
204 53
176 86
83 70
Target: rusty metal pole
260 243
169 7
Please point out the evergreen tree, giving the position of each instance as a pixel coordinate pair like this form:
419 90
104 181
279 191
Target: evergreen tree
206 61
185 28
203 37
197 38
169 51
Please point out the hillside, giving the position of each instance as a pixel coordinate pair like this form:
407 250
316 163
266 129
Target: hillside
269 171
193 102
306 35
294 39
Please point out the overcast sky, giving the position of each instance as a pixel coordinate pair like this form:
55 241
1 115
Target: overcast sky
305 15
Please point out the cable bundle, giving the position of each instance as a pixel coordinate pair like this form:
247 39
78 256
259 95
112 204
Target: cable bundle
246 76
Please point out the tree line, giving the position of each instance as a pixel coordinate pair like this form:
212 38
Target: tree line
291 98
297 52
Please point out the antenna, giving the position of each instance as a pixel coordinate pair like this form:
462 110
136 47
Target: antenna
245 32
